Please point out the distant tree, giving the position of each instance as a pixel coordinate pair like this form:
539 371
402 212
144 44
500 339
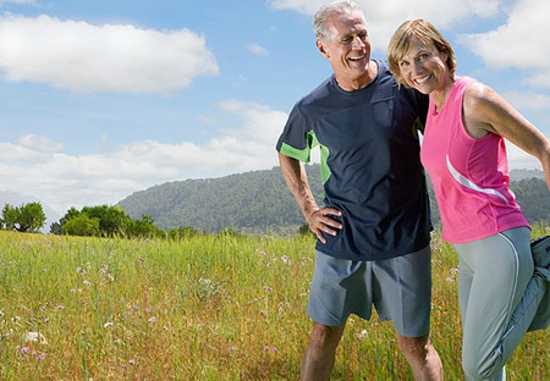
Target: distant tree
81 225
142 228
105 221
56 228
112 219
73 212
26 218
183 232
533 197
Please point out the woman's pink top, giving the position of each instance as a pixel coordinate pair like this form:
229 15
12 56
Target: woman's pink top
469 176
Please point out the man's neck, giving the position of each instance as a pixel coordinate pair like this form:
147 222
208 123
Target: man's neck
359 82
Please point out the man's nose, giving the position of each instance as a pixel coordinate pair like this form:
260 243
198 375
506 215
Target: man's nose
358 43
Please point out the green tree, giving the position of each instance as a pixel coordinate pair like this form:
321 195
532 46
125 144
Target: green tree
183 232
112 219
81 225
26 218
143 228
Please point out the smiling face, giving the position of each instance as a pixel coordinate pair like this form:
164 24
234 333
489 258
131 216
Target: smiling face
424 68
347 49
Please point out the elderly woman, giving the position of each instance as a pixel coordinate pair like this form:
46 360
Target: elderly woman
501 283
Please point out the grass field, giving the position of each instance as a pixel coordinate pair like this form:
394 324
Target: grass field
207 308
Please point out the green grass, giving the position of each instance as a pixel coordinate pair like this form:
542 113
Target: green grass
206 308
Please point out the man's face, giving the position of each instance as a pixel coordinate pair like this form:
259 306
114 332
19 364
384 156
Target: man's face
348 46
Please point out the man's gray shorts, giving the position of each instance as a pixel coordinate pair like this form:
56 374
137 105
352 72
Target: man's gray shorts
399 288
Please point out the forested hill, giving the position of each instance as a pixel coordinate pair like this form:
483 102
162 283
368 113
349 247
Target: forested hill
250 201
260 201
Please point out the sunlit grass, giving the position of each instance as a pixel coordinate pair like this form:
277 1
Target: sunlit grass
206 308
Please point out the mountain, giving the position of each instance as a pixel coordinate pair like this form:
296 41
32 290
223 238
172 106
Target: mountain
252 201
260 201
18 199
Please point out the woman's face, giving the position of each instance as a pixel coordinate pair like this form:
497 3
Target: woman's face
424 68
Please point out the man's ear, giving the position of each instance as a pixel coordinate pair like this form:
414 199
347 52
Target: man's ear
322 49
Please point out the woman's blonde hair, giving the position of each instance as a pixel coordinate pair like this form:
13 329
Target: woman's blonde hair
425 32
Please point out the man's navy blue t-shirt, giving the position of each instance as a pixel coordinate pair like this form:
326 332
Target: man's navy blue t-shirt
370 164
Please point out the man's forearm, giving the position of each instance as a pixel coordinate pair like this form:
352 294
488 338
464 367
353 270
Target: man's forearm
296 179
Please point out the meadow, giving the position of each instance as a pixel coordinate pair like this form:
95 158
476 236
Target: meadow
226 307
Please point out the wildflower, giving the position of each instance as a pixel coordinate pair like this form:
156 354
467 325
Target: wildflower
361 335
41 357
152 319
108 324
268 289
25 350
132 362
59 307
87 283
37 337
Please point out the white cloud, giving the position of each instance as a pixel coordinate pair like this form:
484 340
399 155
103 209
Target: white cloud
62 181
17 1
528 100
519 159
258 50
519 43
304 6
79 56
383 17
40 143
534 106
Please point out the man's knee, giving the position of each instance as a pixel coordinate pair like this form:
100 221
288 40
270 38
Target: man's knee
418 350
325 336
414 345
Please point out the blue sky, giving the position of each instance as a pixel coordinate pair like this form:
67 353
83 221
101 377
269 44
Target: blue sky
100 99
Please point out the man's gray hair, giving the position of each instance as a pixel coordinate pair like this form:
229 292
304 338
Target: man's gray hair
320 29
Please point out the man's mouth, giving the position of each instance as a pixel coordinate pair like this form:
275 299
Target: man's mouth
357 58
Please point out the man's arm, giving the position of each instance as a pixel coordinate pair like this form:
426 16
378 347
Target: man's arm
318 219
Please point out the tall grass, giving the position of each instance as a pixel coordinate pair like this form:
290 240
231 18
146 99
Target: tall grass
207 308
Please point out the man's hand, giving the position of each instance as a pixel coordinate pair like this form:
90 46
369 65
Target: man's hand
320 222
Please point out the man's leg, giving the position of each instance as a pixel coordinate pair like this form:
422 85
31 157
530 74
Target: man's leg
319 357
422 357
